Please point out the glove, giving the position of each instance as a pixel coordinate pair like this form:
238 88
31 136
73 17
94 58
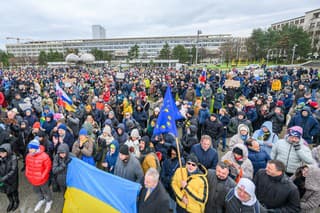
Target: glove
297 146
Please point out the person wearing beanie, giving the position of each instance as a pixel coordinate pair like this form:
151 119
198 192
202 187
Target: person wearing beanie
83 147
233 126
218 100
310 124
242 198
133 142
111 157
214 128
207 94
59 167
38 168
265 136
292 147
65 136
24 136
190 186
9 180
240 165
148 157
49 123
241 137
275 190
203 115
128 166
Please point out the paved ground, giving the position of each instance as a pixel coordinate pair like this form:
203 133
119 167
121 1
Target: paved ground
28 198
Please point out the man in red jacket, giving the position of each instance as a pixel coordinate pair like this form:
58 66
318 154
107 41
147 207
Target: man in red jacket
38 167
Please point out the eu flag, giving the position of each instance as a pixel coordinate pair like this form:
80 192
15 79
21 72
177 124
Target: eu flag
169 113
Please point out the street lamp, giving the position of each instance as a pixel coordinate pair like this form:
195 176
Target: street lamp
293 52
268 55
198 33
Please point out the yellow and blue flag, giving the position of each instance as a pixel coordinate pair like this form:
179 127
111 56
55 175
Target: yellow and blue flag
92 190
169 113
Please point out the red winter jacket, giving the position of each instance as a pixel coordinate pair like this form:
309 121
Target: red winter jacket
38 167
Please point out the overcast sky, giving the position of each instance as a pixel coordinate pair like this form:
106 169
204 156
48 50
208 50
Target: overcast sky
72 19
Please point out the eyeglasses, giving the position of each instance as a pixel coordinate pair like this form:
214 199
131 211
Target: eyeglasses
191 164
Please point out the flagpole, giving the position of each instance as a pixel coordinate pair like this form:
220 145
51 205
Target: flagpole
179 155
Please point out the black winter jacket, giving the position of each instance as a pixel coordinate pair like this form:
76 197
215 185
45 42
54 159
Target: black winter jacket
277 193
8 171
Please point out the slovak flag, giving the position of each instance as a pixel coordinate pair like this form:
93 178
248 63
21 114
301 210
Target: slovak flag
203 76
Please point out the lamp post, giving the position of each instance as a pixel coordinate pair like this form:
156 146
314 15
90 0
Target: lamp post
293 52
198 33
268 55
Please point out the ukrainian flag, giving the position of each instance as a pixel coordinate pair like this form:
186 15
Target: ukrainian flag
92 190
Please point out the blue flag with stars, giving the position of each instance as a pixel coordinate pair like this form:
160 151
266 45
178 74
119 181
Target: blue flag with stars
169 113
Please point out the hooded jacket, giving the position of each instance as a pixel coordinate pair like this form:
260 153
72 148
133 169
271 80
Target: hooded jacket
285 151
111 159
123 137
238 139
9 170
196 189
272 139
38 167
59 167
310 201
246 164
309 124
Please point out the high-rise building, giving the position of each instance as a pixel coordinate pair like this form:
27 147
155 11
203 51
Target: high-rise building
310 22
98 32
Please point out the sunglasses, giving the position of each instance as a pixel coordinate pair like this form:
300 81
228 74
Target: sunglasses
191 164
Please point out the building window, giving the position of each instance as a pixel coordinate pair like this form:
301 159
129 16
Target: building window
312 25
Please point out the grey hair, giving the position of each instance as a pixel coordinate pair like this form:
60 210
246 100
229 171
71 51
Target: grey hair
152 172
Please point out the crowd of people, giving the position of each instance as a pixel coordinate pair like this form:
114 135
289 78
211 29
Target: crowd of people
266 131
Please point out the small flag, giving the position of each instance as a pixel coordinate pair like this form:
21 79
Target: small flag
169 113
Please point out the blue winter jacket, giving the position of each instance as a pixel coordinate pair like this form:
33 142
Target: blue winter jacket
207 158
259 159
273 138
309 124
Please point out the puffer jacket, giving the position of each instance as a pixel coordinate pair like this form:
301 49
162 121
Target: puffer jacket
292 159
237 139
196 189
38 167
310 201
272 139
309 124
9 170
246 165
59 168
259 159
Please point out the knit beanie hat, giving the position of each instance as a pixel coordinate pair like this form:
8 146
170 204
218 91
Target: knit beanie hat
36 125
248 186
83 131
34 144
192 158
124 149
63 126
